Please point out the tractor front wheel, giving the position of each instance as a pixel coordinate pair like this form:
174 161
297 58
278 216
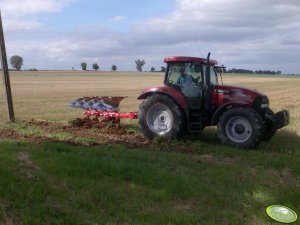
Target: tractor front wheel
160 116
240 127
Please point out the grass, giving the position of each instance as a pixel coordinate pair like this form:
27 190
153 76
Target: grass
57 183
117 185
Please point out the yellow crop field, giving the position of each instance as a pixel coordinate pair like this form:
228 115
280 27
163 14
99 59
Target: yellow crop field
46 94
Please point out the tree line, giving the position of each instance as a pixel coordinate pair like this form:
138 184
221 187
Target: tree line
16 62
244 71
139 64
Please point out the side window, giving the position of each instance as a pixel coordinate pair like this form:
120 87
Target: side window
213 76
173 73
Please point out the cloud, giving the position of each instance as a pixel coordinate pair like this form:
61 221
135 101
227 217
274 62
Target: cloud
20 15
258 34
18 8
226 20
15 25
118 18
236 31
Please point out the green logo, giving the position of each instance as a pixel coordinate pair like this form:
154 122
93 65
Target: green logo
281 214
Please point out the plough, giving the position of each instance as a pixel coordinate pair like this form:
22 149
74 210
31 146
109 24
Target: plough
102 109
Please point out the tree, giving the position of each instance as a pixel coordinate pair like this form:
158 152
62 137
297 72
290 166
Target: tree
163 69
114 68
16 62
139 64
95 67
83 65
152 69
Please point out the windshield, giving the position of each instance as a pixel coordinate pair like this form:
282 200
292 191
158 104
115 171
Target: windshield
190 70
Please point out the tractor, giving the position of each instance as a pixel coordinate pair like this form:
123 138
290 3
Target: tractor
193 97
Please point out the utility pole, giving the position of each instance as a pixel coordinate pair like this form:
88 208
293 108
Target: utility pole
5 71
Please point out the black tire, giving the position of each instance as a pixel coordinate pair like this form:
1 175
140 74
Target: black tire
240 127
269 129
175 129
269 132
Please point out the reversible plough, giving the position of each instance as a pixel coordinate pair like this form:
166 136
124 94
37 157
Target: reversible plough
101 110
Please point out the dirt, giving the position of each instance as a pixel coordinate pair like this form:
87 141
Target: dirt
26 167
10 134
100 132
91 135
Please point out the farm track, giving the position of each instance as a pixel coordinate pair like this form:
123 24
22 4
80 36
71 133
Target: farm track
89 136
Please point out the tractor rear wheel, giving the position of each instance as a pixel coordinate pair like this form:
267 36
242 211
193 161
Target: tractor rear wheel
160 116
240 127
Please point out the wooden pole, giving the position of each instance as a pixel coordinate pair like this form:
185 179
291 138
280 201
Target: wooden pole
5 71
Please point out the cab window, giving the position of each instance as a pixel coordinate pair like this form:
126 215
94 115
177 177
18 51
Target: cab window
213 75
192 70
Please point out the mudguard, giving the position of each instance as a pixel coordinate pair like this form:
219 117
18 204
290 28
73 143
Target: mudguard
223 108
173 93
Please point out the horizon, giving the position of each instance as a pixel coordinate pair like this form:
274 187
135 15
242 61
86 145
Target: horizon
135 71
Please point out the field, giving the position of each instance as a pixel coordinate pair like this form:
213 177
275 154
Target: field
51 173
46 95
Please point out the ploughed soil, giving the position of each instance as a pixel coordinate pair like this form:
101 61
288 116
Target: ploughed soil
89 133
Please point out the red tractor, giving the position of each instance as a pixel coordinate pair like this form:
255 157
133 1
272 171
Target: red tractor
193 98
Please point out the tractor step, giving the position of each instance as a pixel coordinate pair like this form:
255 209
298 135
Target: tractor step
195 117
195 127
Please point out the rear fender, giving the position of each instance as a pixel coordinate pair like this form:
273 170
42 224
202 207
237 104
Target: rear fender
174 94
225 107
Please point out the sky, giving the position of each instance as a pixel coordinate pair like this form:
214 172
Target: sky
60 34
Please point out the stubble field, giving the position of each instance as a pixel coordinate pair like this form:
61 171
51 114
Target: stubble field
46 95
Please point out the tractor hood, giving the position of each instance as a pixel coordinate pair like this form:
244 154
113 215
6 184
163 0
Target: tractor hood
237 94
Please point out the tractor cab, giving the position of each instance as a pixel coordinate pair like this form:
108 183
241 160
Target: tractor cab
192 77
201 71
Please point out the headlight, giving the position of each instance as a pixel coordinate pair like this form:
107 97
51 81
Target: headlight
264 102
261 103
264 105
